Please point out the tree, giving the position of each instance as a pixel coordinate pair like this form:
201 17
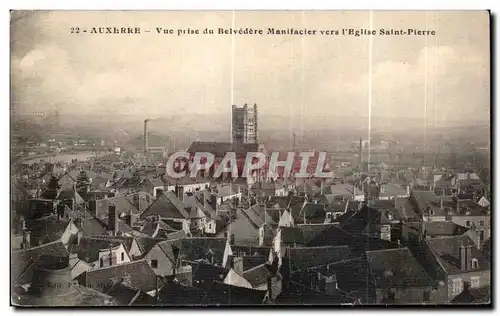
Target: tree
52 188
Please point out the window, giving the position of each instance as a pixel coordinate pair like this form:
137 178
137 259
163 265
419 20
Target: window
475 264
458 286
123 256
101 262
474 282
481 223
467 223
431 212
154 263
426 296
209 226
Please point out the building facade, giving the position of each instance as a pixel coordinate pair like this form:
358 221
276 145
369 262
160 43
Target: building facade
245 126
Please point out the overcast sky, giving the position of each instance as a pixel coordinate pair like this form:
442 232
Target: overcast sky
295 76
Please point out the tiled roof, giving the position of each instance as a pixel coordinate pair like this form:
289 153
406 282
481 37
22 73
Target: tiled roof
88 249
446 250
314 213
316 235
166 206
435 229
20 260
128 295
481 295
258 275
396 268
202 248
91 227
308 257
140 272
77 296
46 230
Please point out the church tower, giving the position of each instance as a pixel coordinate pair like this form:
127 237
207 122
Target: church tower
244 124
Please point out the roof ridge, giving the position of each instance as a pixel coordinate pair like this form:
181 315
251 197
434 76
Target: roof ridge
120 265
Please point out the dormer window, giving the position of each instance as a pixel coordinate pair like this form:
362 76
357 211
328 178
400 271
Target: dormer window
431 212
475 263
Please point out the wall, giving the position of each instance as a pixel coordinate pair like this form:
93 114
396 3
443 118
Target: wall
244 232
484 279
210 226
135 251
165 266
233 278
461 220
70 230
405 295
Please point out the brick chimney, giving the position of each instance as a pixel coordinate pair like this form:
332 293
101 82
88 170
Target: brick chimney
26 239
93 207
112 218
179 192
213 201
462 255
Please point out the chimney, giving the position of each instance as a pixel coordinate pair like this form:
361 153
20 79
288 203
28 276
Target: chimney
270 288
26 239
458 206
442 203
179 192
79 235
231 240
468 256
128 218
93 207
382 188
112 218
237 265
474 196
408 190
213 201
462 255
146 146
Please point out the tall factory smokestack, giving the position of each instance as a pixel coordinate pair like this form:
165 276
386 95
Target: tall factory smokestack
360 154
146 137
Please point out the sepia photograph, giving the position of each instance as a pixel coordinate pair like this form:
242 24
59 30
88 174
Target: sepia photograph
250 158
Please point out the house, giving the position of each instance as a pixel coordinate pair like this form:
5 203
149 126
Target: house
126 294
271 188
209 249
468 182
140 274
466 213
453 261
99 253
390 191
163 258
412 231
47 230
141 200
22 262
299 259
480 295
130 244
244 229
428 206
311 236
123 206
170 209
399 278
